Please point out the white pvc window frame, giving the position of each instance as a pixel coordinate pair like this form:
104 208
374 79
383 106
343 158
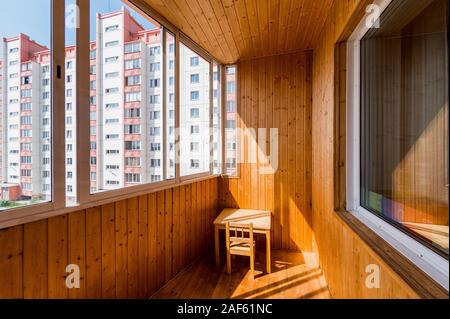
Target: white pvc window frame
433 264
85 199
57 67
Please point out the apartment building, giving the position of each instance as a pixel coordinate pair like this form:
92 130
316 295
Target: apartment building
127 125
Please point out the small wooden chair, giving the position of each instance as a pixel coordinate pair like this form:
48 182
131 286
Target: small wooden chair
240 244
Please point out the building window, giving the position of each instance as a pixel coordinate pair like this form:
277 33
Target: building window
399 87
195 95
155 67
155 83
155 51
133 80
132 47
195 78
111 44
195 61
132 64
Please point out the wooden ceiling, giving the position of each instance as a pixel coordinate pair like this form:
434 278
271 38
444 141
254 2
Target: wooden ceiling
233 30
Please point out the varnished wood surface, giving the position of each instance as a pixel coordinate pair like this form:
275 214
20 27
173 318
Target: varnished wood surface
261 220
127 249
233 30
343 255
294 275
275 93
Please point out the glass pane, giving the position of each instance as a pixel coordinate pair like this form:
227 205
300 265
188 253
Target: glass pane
25 103
71 107
170 104
230 122
126 98
217 121
404 120
195 116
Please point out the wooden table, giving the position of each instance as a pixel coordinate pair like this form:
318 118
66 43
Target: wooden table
262 224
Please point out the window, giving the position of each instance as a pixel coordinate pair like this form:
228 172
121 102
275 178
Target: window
132 145
133 97
155 115
195 95
195 106
155 67
132 129
155 131
132 178
112 59
111 44
155 51
217 121
230 122
155 147
112 75
170 106
195 61
195 78
133 113
195 113
112 28
132 64
398 110
111 90
155 83
133 80
132 47
119 132
154 99
133 161
26 80
155 163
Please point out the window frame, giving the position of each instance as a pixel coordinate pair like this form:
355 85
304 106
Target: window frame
85 199
429 261
57 62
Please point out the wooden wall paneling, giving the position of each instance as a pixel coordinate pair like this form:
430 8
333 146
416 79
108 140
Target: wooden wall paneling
143 247
153 213
133 247
121 234
58 239
160 248
126 249
343 255
108 239
168 229
273 94
182 228
93 253
35 262
11 263
188 226
77 250
176 231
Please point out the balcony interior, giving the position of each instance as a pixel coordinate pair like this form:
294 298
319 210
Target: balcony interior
160 245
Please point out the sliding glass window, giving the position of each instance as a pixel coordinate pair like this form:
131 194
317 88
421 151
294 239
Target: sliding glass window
195 117
404 120
26 104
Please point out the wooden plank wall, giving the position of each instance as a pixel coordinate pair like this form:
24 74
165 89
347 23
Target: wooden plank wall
275 92
126 249
342 254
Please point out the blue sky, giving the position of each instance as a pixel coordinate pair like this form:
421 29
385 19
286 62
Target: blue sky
32 17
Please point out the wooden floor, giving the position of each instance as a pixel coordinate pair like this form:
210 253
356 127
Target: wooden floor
294 275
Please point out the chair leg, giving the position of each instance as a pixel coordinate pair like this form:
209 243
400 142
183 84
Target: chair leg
252 263
228 262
